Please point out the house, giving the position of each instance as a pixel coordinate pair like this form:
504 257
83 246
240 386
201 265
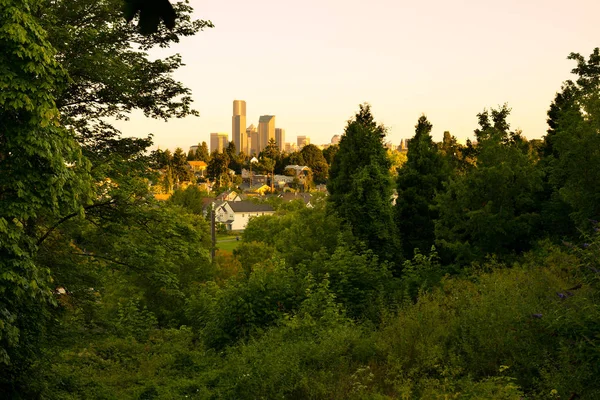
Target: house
280 181
290 196
236 214
229 195
258 189
299 171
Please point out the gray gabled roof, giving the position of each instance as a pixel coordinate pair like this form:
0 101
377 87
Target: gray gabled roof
248 206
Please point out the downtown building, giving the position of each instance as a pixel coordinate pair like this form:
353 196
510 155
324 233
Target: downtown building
238 127
219 142
280 138
302 141
266 132
252 138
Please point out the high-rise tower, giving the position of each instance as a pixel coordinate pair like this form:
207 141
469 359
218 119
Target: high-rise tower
302 141
252 135
219 141
238 126
266 131
280 138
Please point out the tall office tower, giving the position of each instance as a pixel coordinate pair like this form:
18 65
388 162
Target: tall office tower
252 135
219 141
280 138
302 141
238 126
266 131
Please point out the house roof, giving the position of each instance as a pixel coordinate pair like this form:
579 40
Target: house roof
226 193
256 186
248 206
297 167
288 196
197 164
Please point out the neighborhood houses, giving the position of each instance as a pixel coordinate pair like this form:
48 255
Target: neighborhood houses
234 215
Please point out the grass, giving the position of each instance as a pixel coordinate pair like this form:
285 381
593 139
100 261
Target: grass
227 243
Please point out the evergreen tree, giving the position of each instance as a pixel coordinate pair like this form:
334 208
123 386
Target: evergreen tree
202 154
360 185
571 151
314 159
181 169
493 207
419 179
329 153
218 168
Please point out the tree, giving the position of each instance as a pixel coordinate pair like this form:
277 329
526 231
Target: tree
493 208
314 159
42 175
397 160
218 168
360 186
420 178
151 13
452 152
180 166
329 153
271 150
268 165
109 69
202 154
572 146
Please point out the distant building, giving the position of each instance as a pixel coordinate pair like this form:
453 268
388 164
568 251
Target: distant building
290 147
403 145
335 139
218 141
252 135
238 125
193 149
266 131
280 138
302 141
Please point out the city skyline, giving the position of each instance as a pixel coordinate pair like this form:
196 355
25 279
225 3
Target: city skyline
405 59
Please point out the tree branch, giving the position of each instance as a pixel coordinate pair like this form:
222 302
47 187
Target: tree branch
68 217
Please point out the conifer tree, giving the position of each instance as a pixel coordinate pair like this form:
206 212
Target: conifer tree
419 179
572 147
360 185
492 208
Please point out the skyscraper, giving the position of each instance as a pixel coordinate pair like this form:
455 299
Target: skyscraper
280 138
219 141
238 126
302 141
266 131
252 134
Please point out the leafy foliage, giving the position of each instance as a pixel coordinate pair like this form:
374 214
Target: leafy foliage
42 174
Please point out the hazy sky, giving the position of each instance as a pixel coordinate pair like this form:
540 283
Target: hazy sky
310 63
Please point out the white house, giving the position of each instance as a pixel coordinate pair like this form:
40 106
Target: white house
236 214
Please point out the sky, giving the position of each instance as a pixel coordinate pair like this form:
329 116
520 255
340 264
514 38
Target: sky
311 63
